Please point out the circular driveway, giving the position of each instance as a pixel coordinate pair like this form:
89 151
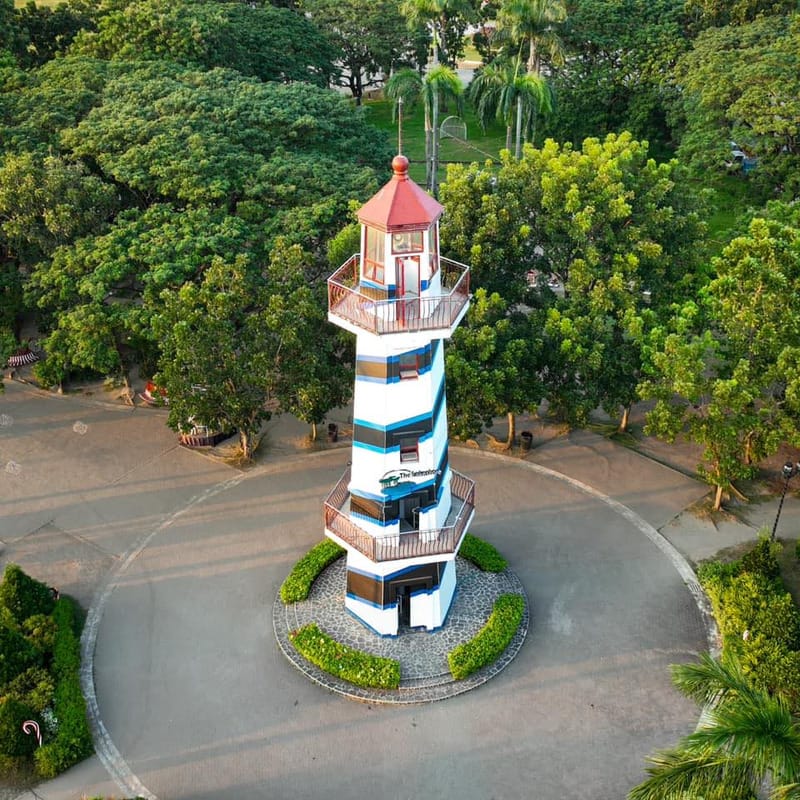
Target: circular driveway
201 704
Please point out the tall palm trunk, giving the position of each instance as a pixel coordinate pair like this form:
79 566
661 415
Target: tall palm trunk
428 147
433 185
533 59
518 148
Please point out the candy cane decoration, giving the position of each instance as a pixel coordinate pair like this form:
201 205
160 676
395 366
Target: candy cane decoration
29 726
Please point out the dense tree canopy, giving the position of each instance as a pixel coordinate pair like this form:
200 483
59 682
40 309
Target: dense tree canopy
371 38
493 366
622 236
725 372
121 180
742 83
259 40
618 71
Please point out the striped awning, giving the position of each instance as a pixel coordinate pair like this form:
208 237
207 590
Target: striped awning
22 357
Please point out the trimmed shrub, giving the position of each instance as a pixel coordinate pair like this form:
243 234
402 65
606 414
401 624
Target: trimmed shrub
758 620
24 596
73 741
482 554
34 687
13 741
16 654
40 631
763 559
491 640
299 581
360 669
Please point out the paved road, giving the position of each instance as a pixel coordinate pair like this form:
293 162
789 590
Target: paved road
200 703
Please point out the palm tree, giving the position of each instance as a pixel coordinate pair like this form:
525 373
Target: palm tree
531 22
435 15
440 80
746 736
505 92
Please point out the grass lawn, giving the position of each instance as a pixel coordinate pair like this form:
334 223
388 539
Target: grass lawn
478 146
732 197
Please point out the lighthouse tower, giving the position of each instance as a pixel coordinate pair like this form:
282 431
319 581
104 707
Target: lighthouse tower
400 510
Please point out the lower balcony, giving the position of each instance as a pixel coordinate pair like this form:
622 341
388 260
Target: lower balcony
403 544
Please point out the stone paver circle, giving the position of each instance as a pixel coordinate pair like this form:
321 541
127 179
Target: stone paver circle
425 676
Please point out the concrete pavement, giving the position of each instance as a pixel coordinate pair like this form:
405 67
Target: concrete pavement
190 684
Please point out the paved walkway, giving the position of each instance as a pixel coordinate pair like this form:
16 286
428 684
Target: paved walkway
181 559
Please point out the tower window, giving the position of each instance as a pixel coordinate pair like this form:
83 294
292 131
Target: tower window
374 255
407 242
409 366
409 450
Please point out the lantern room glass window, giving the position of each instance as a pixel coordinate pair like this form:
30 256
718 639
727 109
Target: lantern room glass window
407 242
433 248
374 247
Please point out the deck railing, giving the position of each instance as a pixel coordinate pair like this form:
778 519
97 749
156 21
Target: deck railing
360 306
405 544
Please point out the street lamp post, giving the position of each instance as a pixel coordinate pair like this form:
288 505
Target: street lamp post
789 470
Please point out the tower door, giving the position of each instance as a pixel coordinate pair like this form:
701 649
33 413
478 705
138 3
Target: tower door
408 286
410 510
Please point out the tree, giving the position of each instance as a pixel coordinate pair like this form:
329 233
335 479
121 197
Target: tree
617 73
48 202
216 352
742 83
492 367
504 92
438 81
532 23
313 375
446 20
622 235
746 737
155 170
371 39
723 370
49 31
103 293
234 341
273 44
718 13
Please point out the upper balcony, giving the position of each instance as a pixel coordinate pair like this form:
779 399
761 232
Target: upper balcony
402 544
356 308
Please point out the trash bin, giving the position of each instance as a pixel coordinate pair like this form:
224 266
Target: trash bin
526 439
333 432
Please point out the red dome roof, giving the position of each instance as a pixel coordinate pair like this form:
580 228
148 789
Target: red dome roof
401 204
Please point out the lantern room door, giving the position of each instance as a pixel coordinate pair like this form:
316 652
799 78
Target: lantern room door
408 287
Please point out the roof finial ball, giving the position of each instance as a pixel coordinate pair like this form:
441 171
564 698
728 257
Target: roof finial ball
400 167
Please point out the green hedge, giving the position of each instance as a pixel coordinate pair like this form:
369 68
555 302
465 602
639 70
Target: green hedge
40 675
24 596
360 669
16 654
491 640
482 554
35 687
757 618
14 742
298 582
73 739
